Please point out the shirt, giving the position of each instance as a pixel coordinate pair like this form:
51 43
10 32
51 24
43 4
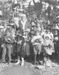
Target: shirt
37 39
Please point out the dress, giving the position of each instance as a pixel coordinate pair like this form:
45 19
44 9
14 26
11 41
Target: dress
27 49
37 44
48 44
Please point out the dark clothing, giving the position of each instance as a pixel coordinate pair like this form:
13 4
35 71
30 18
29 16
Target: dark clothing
1 48
20 50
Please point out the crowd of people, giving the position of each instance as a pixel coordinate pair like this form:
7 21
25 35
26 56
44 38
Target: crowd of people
25 33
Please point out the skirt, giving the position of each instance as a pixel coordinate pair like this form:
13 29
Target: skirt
37 48
20 51
27 49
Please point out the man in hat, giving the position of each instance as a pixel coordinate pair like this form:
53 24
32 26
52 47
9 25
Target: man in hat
9 39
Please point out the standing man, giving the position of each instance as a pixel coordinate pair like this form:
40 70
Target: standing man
8 44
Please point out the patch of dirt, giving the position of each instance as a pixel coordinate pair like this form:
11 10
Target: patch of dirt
28 69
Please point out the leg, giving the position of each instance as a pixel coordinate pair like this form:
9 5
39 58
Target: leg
35 55
22 61
4 53
22 55
18 55
39 46
9 52
35 59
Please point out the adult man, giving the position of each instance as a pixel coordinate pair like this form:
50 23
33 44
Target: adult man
7 46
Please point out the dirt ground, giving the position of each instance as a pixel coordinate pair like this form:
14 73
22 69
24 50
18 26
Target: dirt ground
27 69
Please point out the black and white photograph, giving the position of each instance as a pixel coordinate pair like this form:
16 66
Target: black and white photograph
29 37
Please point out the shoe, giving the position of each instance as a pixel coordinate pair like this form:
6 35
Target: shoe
18 62
22 63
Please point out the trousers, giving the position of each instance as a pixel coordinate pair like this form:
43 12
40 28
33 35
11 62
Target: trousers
5 47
